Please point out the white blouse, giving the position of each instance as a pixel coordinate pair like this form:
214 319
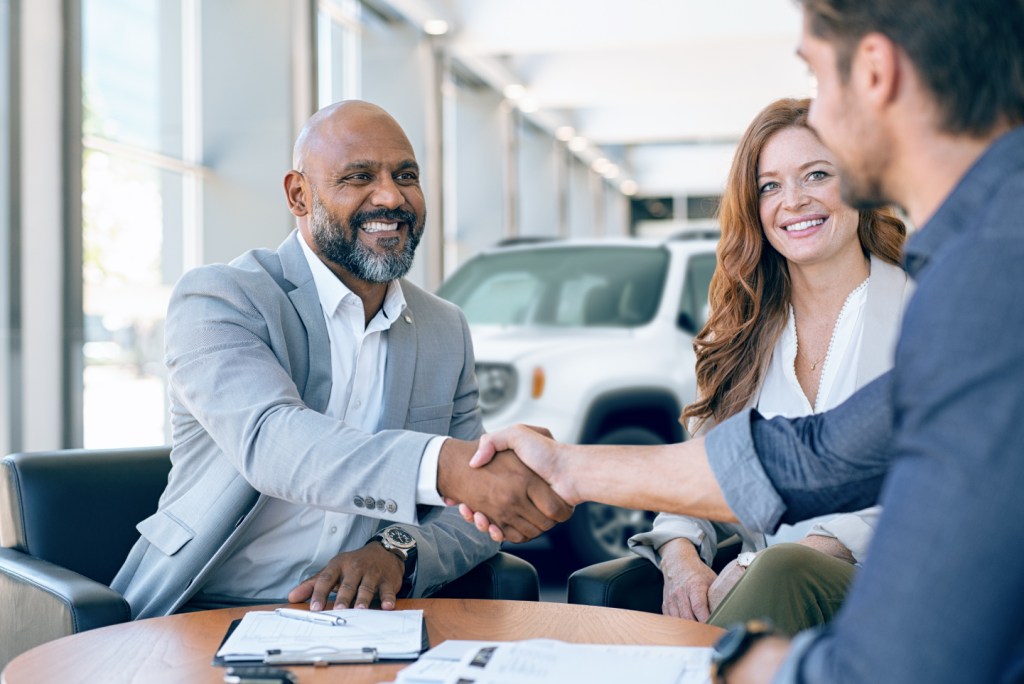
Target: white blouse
781 394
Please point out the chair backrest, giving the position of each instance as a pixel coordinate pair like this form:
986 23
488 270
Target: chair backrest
78 508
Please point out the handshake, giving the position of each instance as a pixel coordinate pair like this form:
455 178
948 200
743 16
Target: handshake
514 484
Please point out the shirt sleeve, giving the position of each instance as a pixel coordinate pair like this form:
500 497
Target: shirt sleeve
936 602
735 462
785 470
852 530
426 481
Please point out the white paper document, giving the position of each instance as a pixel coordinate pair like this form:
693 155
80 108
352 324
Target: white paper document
546 661
396 634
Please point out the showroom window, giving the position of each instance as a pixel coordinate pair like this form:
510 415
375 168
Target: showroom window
338 51
8 243
141 197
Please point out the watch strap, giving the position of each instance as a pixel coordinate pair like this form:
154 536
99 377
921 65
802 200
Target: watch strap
408 557
734 644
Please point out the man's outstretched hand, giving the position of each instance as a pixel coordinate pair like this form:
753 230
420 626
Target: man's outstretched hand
534 447
519 503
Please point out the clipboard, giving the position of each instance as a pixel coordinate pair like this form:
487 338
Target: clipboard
313 657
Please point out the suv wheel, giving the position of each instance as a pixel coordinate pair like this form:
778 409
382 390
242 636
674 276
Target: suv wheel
598 532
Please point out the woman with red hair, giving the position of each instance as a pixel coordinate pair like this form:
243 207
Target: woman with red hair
805 307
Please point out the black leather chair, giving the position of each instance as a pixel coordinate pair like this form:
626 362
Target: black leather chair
67 522
631 582
501 577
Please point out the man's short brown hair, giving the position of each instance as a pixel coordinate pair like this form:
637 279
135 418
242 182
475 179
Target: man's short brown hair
968 53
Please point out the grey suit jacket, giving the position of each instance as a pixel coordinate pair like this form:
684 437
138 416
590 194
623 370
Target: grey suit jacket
889 291
249 370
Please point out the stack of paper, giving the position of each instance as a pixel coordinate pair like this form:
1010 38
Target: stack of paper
395 634
545 661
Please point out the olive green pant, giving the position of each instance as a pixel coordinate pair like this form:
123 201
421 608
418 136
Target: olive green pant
794 586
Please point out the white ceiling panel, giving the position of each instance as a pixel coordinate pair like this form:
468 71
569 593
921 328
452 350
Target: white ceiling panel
668 84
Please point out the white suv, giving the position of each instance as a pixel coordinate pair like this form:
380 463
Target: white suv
593 340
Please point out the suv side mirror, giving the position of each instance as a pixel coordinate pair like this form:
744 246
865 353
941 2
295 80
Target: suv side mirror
686 323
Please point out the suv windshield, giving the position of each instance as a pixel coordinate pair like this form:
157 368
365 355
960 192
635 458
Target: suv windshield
574 286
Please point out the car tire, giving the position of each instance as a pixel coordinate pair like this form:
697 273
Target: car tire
598 532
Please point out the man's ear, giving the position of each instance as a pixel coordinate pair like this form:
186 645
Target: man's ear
876 70
295 193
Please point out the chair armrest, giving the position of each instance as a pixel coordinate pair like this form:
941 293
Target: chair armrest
631 582
502 576
42 601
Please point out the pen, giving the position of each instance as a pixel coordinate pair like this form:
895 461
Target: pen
306 616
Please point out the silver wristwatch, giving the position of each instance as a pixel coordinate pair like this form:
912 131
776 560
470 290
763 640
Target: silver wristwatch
397 541
402 544
745 559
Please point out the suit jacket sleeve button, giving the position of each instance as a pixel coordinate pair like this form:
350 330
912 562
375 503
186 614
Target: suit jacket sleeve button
370 502
358 501
380 504
391 506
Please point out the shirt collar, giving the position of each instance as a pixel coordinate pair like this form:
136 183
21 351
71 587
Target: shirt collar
332 291
967 206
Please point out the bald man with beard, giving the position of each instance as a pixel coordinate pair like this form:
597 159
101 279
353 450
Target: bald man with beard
322 408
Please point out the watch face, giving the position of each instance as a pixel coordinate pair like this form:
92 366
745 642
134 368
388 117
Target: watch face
399 537
745 559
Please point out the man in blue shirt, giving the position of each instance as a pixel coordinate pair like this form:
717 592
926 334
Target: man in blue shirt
922 103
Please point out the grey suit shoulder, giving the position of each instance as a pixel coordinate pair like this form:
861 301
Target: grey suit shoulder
249 369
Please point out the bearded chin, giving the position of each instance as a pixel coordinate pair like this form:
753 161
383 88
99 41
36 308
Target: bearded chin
861 179
375 267
342 247
863 196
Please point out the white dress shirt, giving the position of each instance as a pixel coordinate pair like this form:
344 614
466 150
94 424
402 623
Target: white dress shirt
289 542
781 394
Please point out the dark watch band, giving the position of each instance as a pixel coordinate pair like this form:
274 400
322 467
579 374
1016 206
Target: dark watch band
734 644
411 556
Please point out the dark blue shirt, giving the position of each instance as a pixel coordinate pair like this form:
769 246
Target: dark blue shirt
938 441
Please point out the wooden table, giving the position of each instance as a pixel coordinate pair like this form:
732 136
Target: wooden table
178 648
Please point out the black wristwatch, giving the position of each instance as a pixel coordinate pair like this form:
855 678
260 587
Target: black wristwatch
734 644
399 542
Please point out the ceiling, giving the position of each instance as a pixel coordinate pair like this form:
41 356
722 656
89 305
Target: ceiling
663 88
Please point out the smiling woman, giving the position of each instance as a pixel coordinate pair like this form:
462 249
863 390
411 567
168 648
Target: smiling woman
806 222
799 274
753 288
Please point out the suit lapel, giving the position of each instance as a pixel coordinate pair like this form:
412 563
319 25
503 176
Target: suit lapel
306 301
398 371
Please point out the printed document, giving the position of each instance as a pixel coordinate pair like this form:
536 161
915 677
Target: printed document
546 661
396 634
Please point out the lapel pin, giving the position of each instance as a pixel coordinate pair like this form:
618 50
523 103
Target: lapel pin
408 318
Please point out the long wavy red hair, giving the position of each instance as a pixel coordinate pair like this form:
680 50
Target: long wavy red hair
750 291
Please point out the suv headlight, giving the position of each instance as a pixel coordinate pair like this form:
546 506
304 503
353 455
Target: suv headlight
497 386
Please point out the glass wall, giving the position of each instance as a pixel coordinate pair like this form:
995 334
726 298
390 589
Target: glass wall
8 386
188 113
539 157
479 159
139 190
338 51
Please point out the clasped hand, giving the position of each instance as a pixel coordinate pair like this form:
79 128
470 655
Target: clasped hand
516 496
